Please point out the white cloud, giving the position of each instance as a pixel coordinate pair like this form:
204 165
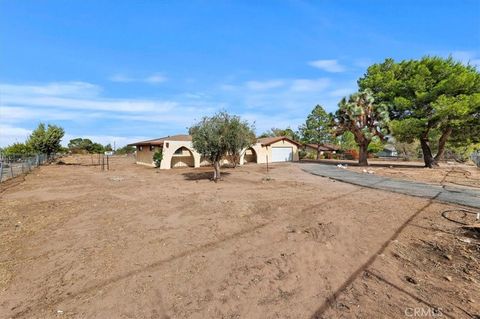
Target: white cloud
309 85
342 92
81 103
11 134
155 78
328 65
99 104
264 85
467 57
76 95
52 89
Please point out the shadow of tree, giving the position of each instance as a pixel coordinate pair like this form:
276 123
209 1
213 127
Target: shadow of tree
195 176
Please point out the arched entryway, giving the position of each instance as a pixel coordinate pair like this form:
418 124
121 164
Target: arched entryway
182 157
250 156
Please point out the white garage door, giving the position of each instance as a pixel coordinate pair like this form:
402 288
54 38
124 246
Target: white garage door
282 154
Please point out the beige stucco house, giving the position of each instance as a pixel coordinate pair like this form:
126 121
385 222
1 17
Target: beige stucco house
178 151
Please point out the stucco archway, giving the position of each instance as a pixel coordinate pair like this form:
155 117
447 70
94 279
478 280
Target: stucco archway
182 157
249 156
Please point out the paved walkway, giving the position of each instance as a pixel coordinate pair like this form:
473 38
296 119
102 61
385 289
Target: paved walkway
455 195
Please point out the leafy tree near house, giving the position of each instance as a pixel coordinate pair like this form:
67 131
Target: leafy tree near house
363 117
46 139
157 158
240 135
376 145
317 128
217 136
288 132
429 97
346 141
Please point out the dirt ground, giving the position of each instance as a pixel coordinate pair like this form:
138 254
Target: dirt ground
446 174
136 242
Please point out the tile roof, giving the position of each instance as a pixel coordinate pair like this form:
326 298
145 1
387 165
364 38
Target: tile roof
265 141
159 141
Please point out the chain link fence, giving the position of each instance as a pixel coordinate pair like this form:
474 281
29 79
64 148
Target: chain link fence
15 165
476 158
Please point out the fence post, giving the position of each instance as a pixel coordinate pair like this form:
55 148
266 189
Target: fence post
1 171
11 170
108 166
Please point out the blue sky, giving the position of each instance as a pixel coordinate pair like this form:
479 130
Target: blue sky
128 70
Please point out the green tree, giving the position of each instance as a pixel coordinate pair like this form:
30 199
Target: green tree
213 137
317 128
18 149
157 158
376 145
432 94
96 148
84 144
346 141
79 144
240 135
287 132
46 140
108 147
364 118
125 150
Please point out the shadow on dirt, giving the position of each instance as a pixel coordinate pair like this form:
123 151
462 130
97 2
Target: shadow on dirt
196 176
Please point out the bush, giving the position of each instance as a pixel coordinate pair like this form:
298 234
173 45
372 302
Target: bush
157 158
302 154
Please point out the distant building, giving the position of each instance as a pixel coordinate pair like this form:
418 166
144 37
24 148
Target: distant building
388 151
324 148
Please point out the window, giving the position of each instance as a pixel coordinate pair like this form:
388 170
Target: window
152 148
179 151
140 148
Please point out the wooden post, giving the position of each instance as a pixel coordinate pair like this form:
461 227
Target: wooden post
108 166
1 171
267 163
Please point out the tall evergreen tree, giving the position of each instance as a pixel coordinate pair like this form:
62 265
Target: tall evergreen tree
429 97
317 128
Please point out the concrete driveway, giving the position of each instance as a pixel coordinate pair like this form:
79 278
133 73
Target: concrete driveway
448 194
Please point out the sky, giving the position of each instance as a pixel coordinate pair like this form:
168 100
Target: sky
123 71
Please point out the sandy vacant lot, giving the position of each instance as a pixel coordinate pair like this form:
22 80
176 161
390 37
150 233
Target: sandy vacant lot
135 242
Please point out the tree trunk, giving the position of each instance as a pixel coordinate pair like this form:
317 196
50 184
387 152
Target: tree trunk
441 143
216 171
363 156
427 152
